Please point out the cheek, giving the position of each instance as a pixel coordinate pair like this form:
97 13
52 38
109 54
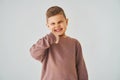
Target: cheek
51 28
64 25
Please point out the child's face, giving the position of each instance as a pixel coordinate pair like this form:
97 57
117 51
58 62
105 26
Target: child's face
57 24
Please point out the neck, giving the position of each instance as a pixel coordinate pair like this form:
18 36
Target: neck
63 35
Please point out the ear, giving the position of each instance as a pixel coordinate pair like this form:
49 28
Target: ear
48 26
67 21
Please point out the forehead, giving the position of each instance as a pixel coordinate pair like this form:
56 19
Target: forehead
56 18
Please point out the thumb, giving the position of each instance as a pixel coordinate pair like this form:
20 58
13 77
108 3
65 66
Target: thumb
57 39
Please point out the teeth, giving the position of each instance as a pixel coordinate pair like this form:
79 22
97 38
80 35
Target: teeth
58 30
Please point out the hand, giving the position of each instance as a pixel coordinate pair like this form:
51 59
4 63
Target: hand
57 39
56 36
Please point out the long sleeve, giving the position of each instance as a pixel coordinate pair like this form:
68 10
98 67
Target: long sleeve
39 49
81 67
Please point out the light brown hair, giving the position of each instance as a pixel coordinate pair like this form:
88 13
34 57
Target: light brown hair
54 10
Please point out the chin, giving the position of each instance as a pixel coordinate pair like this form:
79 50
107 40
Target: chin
62 34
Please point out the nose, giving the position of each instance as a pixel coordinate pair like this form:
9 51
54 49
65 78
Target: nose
57 25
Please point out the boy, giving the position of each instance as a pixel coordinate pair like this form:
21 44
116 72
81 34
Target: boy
60 55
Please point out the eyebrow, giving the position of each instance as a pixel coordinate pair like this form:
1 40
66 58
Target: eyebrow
57 22
60 21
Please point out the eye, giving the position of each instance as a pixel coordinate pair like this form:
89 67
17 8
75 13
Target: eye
60 22
52 24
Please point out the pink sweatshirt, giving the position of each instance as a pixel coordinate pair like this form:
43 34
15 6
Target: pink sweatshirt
62 61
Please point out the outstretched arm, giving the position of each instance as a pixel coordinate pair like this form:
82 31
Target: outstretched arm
39 49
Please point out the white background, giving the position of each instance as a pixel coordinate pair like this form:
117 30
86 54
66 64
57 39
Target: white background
95 23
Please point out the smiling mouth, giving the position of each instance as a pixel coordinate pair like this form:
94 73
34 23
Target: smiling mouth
58 30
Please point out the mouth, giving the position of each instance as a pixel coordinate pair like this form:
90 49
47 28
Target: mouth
58 30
